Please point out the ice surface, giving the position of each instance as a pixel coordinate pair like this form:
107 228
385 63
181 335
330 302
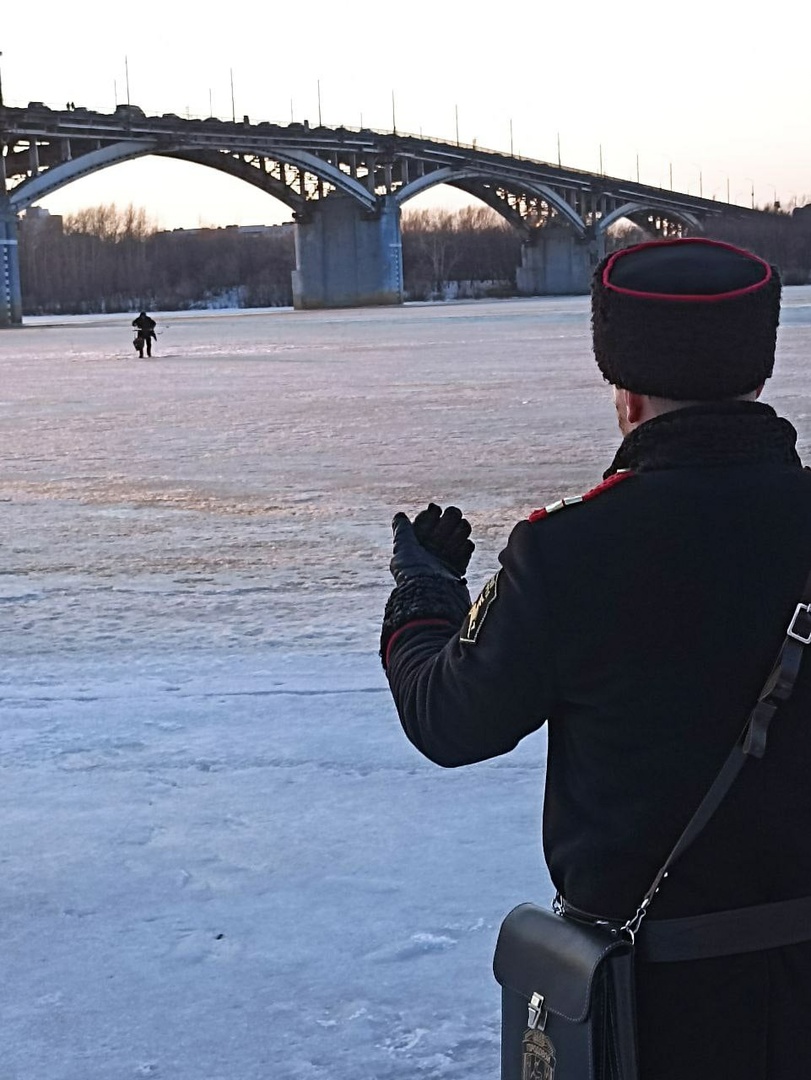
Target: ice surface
221 859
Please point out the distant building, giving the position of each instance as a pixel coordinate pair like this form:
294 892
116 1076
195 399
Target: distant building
38 219
241 230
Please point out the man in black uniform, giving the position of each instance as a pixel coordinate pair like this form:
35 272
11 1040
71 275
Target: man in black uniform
640 621
145 325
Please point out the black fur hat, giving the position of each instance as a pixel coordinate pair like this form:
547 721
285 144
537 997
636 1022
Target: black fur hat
690 320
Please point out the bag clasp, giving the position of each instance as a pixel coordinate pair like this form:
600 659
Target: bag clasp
536 1013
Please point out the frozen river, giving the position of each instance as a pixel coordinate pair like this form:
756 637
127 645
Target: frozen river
221 860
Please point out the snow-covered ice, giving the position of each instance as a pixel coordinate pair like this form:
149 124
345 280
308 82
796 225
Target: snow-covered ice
220 858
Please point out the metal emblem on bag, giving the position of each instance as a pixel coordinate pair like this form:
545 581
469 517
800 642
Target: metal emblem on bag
538 1050
538 1060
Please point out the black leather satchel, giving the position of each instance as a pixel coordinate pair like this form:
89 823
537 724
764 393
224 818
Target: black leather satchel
567 999
567 977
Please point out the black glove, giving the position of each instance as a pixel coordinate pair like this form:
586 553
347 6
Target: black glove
445 534
410 559
428 587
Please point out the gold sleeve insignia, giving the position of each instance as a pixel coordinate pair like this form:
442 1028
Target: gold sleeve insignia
478 612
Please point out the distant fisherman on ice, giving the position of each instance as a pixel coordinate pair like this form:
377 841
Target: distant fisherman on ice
145 326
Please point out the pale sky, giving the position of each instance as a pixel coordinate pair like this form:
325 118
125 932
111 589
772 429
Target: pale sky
719 93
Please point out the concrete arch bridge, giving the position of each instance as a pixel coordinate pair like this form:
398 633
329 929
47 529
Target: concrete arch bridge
345 189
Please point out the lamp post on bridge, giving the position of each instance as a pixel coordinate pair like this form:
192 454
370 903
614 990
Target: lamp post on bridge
747 196
696 165
664 157
717 179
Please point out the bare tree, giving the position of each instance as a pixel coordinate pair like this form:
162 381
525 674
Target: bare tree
104 258
474 244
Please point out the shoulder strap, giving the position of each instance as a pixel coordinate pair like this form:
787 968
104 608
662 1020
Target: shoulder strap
751 743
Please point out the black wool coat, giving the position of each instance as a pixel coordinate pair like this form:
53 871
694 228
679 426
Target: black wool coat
640 623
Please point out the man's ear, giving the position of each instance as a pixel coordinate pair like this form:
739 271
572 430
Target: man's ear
634 406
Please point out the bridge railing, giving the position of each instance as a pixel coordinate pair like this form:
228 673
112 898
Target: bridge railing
446 144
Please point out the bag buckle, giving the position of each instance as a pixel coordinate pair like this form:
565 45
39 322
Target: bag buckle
631 928
536 1013
802 611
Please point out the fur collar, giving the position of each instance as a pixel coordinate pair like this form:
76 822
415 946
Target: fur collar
718 433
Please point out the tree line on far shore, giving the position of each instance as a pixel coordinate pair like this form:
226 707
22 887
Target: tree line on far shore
109 259
105 259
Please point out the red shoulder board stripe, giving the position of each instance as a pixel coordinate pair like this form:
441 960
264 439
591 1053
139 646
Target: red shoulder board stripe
612 481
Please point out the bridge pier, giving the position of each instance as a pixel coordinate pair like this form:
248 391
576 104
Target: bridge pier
556 262
347 257
11 302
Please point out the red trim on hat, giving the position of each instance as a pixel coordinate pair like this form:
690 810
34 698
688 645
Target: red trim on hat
700 298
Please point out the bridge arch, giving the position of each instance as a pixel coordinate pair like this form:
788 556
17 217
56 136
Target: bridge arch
630 209
53 179
474 181
58 176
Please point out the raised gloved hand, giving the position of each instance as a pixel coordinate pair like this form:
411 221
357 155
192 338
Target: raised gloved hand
436 545
429 560
445 534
